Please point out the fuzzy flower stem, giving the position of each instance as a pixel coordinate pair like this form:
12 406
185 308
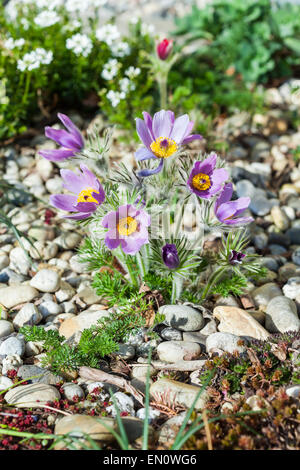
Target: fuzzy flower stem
177 284
215 276
127 263
141 265
162 83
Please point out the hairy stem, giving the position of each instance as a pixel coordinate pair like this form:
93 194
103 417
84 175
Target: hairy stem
177 284
212 281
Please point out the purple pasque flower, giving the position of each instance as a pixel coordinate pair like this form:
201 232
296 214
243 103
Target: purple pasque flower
162 136
88 193
205 180
170 255
227 211
126 227
236 257
70 140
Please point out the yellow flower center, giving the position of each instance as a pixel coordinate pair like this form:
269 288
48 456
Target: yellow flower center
163 147
86 195
127 226
201 182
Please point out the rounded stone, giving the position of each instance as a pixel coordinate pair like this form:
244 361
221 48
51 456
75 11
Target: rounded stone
46 280
182 317
173 351
6 328
281 315
296 256
170 334
179 392
224 342
126 351
263 294
12 346
15 295
292 288
49 308
32 396
73 392
19 261
81 322
28 315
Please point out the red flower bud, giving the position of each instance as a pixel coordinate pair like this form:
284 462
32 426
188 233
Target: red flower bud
164 48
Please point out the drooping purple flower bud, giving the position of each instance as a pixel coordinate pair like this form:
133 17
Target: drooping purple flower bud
170 256
236 257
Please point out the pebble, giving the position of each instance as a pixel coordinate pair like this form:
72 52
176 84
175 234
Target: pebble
281 315
37 374
32 395
28 315
179 392
260 205
5 383
66 292
152 414
126 351
293 391
280 218
124 403
296 256
49 308
4 261
12 296
182 317
173 351
12 346
292 288
224 342
6 328
73 392
19 261
239 322
82 321
46 280
170 334
263 294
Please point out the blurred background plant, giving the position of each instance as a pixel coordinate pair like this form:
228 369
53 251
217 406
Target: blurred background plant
53 56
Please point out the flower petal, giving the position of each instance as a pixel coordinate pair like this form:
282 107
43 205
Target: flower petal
73 181
148 121
62 137
143 132
191 137
162 124
71 128
57 155
112 240
225 195
143 154
86 207
78 216
179 128
65 202
146 172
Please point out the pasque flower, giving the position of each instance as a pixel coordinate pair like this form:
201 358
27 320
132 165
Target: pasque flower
205 180
227 211
88 193
170 255
126 227
236 257
162 136
164 48
70 140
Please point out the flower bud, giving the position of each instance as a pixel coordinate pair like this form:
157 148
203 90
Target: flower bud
236 257
170 256
164 48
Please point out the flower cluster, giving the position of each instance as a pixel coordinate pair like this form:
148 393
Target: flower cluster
110 69
80 44
11 43
34 59
46 18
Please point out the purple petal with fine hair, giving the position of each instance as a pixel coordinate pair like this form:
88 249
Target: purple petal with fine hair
73 181
225 195
143 132
65 202
148 121
86 206
132 245
143 154
63 138
57 155
239 221
162 124
89 177
144 173
219 176
208 165
179 128
171 116
144 218
71 128
78 216
112 239
100 196
191 137
110 220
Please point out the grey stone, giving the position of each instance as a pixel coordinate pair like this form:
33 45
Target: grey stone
126 351
260 205
11 346
182 317
296 256
224 342
6 328
170 334
263 294
73 392
49 308
31 396
12 296
281 315
28 315
179 392
38 375
19 261
292 288
173 351
46 280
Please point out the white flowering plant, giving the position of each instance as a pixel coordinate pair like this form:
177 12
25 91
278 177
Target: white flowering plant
54 55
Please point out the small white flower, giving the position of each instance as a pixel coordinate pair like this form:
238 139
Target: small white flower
80 44
126 85
46 18
132 72
32 60
108 33
110 69
147 29
115 97
25 23
120 49
82 6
